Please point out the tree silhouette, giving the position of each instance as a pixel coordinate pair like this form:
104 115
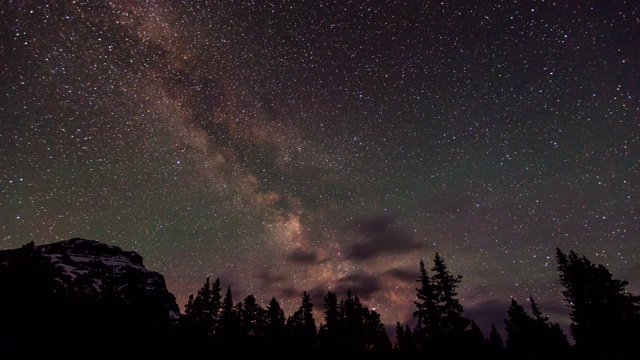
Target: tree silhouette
441 324
449 308
201 313
496 345
229 329
533 337
605 317
426 312
351 329
519 327
329 332
275 326
405 345
475 342
377 341
252 319
301 326
550 334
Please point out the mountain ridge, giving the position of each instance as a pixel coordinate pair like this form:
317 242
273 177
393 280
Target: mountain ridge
82 289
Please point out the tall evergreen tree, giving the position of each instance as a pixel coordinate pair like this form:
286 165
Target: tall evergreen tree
252 318
352 332
351 329
550 334
400 341
405 345
376 339
605 317
496 345
276 321
520 334
200 312
329 332
533 337
215 305
475 342
450 310
439 313
301 326
426 309
229 329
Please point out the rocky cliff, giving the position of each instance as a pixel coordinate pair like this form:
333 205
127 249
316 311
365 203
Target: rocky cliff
81 289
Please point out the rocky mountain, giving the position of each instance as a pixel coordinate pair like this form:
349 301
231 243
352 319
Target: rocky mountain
81 289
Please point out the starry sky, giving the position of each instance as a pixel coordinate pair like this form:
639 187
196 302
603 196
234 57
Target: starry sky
290 146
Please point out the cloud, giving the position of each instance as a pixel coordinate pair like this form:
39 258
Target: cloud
487 313
303 256
290 292
404 274
380 237
362 284
269 278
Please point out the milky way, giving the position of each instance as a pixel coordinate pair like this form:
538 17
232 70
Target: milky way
292 146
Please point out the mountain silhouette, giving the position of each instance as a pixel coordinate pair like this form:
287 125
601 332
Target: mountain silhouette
81 295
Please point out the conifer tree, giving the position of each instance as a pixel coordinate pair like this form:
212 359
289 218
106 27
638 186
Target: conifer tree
519 326
496 345
426 309
276 321
328 335
376 339
352 332
533 337
438 311
215 305
202 311
301 326
605 317
475 341
252 318
400 339
449 308
549 334
229 320
405 345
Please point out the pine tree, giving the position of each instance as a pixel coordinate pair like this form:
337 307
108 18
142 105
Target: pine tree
533 337
328 334
475 341
426 309
252 318
229 329
605 317
496 345
352 324
520 334
438 311
400 337
376 339
549 334
200 312
276 321
405 345
215 305
449 308
301 326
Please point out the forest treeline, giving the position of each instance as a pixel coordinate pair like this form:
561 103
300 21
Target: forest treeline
605 321
123 315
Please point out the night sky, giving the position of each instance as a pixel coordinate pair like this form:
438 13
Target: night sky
290 146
